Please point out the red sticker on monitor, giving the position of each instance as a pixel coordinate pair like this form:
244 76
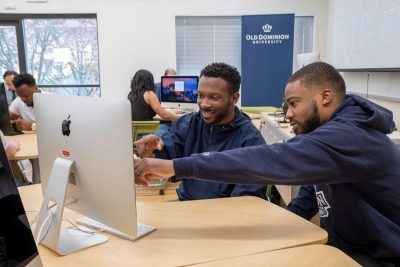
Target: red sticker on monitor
65 153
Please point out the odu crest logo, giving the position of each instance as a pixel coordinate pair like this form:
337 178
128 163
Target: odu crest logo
266 38
267 28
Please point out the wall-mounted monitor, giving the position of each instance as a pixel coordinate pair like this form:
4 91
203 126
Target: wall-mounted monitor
365 35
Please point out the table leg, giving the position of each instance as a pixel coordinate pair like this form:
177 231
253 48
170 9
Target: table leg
35 171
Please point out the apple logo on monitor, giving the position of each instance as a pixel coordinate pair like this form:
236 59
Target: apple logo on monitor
65 126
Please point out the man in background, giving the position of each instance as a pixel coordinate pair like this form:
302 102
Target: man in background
21 109
167 72
22 112
219 125
8 86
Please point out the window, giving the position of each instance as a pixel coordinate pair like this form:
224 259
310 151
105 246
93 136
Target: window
303 36
61 52
203 40
8 49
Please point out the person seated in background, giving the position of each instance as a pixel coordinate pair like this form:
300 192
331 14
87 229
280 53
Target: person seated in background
144 102
21 109
219 125
8 86
22 112
11 147
167 72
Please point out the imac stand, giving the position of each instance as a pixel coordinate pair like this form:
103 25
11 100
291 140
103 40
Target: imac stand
48 228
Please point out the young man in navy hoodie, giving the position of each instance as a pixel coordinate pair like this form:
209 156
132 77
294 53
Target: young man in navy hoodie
219 125
351 169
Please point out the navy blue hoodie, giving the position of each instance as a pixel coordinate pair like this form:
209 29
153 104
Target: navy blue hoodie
354 165
190 134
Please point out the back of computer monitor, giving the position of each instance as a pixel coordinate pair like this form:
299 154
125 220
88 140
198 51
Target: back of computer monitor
100 144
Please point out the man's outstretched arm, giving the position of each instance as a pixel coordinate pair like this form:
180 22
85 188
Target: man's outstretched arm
148 169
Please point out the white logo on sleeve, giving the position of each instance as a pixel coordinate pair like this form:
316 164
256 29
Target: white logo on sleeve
206 153
323 205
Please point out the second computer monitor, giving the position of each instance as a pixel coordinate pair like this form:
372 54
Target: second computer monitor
179 91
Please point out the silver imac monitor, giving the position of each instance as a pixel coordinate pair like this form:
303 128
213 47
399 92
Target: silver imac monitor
88 141
179 92
307 58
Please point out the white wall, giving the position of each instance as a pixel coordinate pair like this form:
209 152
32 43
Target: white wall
135 34
379 87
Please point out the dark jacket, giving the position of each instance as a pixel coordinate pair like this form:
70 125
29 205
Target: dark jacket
190 134
354 165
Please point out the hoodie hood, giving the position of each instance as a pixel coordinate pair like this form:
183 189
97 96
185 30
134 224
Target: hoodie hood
365 113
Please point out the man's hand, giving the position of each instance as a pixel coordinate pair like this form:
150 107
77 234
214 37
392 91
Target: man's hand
23 125
12 147
152 169
148 144
15 143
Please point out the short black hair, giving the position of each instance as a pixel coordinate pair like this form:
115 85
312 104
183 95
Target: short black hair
25 78
320 74
8 73
224 71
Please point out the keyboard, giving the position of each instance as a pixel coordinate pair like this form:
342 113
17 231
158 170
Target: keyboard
142 229
180 111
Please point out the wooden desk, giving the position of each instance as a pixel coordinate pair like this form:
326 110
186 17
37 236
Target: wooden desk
253 116
29 149
313 255
190 232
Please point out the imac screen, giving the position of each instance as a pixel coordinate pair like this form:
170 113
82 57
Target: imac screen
180 89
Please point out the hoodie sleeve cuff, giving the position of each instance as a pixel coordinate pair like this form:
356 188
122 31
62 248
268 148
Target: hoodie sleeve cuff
183 168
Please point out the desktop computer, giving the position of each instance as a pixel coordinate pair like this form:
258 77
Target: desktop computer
86 160
179 92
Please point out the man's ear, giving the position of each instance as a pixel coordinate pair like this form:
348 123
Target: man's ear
235 97
326 96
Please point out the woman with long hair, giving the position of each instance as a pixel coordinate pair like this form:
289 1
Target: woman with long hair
144 102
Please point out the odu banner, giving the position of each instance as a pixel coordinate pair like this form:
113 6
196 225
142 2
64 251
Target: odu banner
267 58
